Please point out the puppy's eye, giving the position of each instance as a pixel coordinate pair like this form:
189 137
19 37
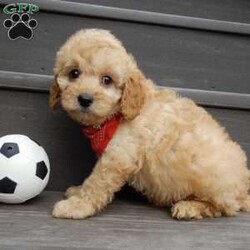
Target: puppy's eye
106 80
75 73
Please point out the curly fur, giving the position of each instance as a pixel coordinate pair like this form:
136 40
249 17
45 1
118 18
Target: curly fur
166 147
133 97
55 94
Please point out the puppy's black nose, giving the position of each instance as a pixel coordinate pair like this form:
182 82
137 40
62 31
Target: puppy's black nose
85 100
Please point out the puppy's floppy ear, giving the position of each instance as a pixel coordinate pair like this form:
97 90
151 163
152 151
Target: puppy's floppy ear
54 95
133 97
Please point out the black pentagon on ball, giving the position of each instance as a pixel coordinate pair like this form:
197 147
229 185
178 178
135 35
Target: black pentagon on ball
41 170
7 186
9 149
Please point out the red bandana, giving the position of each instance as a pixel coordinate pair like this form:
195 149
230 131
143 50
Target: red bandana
100 137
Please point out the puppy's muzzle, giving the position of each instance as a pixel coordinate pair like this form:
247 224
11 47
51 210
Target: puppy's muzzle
85 100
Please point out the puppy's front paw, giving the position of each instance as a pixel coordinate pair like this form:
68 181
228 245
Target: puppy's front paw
73 208
73 191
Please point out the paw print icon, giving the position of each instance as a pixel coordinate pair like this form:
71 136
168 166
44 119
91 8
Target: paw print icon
20 26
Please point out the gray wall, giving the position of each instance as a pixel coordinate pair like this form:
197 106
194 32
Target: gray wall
207 61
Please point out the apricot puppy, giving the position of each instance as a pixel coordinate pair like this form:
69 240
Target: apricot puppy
164 145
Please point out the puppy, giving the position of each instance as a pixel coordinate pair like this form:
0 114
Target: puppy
164 145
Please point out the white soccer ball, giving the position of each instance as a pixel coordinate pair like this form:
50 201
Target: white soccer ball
24 169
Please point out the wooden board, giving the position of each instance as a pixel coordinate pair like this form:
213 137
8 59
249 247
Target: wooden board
123 225
230 10
227 10
41 83
170 56
70 155
182 58
69 152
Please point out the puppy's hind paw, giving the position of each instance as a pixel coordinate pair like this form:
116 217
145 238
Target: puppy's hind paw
193 210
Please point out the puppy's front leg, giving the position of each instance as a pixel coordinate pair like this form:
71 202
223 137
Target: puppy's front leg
108 176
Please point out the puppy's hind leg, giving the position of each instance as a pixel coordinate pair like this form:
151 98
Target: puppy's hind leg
245 204
193 209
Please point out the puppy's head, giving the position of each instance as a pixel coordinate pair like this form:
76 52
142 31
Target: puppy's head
95 78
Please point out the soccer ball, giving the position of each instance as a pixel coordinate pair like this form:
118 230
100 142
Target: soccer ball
24 169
